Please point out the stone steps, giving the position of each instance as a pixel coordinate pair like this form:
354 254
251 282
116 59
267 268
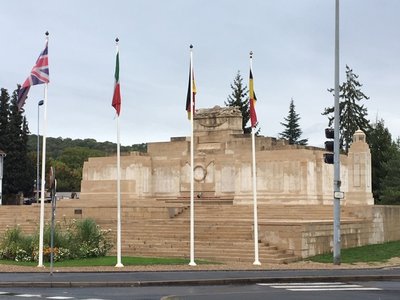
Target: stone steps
218 238
216 255
223 231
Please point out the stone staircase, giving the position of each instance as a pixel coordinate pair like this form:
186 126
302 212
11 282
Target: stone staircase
222 233
156 228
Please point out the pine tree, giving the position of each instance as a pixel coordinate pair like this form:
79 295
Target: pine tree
292 130
28 173
391 182
4 116
239 98
18 169
382 150
352 115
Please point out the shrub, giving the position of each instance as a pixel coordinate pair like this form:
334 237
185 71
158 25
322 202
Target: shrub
89 240
16 246
80 239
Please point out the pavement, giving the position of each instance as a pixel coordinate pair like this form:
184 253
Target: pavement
185 275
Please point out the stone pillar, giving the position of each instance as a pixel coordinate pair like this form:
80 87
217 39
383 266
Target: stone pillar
359 168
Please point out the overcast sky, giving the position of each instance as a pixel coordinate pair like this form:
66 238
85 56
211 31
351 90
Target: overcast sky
292 41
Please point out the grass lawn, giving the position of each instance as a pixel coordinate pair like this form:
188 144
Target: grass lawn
369 253
110 261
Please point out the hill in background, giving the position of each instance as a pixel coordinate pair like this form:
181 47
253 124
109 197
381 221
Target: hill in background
67 156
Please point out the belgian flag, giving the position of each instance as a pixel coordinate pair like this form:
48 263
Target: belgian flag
191 90
253 100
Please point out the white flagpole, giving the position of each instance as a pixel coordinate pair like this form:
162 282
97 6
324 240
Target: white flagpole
43 182
192 262
119 261
253 146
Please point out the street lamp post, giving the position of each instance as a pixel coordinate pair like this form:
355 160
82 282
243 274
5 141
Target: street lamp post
40 103
2 155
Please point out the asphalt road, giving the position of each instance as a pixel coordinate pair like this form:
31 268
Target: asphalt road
191 278
366 290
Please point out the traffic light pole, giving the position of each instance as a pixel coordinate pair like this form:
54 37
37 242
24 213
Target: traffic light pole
336 154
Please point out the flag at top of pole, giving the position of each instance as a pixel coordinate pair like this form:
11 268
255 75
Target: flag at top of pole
39 75
252 95
190 108
116 101
190 99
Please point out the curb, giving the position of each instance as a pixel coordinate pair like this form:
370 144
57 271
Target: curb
226 281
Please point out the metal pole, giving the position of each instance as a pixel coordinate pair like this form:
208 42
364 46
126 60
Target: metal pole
256 257
40 103
43 183
53 213
119 259
192 262
336 155
2 155
255 212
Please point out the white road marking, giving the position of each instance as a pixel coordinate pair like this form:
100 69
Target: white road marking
300 283
319 286
49 297
316 286
336 289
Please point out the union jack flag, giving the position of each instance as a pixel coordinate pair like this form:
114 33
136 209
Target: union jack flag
39 75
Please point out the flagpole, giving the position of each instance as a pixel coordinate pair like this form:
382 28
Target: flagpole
253 146
119 261
192 262
43 180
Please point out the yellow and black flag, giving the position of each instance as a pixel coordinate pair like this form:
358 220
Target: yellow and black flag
191 92
253 100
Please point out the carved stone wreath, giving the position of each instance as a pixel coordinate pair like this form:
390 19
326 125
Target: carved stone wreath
199 173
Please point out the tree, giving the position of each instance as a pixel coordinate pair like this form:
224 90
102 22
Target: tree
391 182
292 130
18 169
239 98
4 116
352 114
69 167
382 149
28 172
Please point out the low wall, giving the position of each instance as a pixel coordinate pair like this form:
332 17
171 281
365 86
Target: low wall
375 224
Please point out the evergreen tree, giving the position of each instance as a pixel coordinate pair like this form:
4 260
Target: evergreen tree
4 117
382 149
239 98
18 169
352 114
391 182
292 130
29 170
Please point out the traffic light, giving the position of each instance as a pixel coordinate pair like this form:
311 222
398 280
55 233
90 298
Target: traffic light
329 134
